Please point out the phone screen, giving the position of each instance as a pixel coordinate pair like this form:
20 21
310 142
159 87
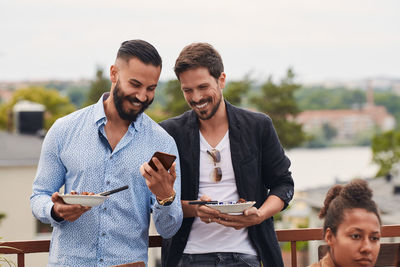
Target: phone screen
165 158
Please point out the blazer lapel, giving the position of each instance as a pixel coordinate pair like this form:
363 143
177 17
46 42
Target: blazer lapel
194 146
235 145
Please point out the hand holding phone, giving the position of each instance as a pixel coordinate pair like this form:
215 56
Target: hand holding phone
165 159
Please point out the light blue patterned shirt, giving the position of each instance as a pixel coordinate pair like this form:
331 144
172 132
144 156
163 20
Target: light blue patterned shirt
74 155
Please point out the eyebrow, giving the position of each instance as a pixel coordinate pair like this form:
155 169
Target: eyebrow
203 84
361 230
136 81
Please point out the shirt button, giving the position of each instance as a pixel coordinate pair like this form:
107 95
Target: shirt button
103 234
105 208
101 260
108 182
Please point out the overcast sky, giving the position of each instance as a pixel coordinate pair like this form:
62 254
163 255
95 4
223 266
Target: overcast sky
321 40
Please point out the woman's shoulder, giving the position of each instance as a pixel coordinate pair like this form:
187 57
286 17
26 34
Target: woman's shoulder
326 261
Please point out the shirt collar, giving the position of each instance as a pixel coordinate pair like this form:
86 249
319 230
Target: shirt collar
99 114
101 118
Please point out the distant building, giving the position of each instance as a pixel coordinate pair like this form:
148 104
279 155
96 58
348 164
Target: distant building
28 117
5 95
19 156
349 123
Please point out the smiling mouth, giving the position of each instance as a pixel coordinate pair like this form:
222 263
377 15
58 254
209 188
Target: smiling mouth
135 103
202 105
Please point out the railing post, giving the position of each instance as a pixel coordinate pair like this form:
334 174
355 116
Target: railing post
293 253
21 260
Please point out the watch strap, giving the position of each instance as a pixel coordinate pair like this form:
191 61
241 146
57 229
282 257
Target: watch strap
167 201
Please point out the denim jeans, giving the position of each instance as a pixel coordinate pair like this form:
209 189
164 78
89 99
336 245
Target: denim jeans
219 259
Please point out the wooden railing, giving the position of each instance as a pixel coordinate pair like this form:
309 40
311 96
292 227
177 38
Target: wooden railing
291 235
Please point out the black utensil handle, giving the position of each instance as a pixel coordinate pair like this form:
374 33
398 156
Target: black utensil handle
202 202
114 191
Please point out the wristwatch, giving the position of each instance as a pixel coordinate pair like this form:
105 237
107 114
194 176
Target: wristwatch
167 201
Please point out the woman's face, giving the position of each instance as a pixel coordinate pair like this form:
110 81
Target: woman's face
357 239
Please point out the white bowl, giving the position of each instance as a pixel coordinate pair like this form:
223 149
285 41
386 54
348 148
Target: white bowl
232 207
84 200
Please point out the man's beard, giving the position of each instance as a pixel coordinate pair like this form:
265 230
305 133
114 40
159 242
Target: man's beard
213 110
119 98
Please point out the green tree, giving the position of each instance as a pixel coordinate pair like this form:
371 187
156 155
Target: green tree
55 104
386 151
175 102
235 91
98 86
277 100
315 98
329 131
77 95
391 102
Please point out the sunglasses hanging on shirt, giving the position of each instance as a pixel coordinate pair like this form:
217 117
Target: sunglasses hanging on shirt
216 174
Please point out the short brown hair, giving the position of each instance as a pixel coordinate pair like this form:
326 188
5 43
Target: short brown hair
199 55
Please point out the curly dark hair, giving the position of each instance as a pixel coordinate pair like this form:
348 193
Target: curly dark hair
339 198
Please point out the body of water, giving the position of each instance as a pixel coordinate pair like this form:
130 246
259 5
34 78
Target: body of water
317 167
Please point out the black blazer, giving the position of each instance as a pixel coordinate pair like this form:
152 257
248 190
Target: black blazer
260 166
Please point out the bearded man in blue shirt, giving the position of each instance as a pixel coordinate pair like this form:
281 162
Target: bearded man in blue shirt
105 146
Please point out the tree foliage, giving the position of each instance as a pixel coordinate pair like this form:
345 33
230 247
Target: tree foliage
391 102
316 98
55 104
386 151
235 91
77 95
175 102
98 86
277 100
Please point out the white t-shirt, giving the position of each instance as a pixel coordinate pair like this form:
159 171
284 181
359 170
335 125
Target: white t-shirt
213 237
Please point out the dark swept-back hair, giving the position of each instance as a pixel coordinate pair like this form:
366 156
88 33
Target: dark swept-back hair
199 55
339 198
140 49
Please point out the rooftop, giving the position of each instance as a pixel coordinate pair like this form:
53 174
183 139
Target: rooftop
383 195
19 149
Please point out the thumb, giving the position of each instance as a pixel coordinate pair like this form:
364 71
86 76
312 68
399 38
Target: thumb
205 198
251 211
55 197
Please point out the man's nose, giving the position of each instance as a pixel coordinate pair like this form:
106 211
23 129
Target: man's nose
197 96
142 95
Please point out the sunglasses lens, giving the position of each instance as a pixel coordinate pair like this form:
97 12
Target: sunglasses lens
217 174
215 155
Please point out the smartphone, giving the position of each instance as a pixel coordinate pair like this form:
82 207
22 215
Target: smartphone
165 158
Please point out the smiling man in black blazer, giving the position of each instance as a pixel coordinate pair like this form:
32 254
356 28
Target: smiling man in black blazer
226 153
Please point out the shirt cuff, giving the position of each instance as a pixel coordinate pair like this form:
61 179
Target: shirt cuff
158 206
54 219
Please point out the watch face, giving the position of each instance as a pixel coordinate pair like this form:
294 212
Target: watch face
167 203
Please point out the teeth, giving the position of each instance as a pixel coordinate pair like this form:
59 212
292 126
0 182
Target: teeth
135 103
201 106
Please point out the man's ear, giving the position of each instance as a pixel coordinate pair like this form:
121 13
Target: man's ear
221 80
114 73
329 236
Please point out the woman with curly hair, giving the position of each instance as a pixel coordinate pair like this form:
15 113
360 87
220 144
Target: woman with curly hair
352 226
